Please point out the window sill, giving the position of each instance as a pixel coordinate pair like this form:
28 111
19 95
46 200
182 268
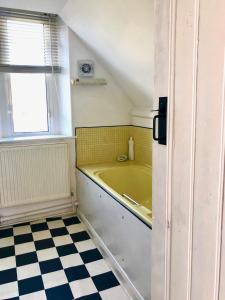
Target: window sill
10 140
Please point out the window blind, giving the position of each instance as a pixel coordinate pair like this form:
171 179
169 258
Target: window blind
28 42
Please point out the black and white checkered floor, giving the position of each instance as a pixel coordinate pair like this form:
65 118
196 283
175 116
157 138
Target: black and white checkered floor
54 259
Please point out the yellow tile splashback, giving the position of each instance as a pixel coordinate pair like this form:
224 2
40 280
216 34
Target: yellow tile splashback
103 144
142 144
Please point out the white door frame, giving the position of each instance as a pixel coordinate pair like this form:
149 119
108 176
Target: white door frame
160 156
188 260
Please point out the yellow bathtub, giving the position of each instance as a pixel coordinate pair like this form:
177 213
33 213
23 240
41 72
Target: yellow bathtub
128 182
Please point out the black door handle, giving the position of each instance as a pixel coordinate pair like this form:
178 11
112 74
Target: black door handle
155 127
159 132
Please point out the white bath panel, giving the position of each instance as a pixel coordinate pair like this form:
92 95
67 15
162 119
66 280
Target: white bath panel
124 239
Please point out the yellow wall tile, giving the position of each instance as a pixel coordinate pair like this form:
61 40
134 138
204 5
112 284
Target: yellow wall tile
142 144
103 144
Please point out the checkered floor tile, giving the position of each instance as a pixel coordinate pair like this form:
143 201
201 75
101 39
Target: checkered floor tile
54 259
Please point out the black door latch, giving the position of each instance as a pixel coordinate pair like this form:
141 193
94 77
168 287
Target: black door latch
160 134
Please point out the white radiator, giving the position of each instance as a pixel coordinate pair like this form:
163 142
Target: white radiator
33 173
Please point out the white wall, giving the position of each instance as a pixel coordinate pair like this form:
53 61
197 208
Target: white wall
121 34
142 117
96 105
51 6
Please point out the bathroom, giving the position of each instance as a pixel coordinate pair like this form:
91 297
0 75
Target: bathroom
76 122
112 142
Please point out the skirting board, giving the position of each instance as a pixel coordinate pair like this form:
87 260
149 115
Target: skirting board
120 274
28 213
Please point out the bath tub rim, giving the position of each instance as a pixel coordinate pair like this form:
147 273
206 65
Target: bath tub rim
110 194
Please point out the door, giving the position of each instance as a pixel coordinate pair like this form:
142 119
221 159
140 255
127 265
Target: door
188 174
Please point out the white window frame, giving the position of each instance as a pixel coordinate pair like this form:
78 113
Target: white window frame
51 70
7 126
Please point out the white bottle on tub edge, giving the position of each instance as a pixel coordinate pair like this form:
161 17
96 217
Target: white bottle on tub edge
131 149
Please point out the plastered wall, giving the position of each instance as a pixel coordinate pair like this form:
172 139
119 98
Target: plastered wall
121 34
96 105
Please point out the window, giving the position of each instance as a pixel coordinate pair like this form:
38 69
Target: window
29 116
28 61
26 45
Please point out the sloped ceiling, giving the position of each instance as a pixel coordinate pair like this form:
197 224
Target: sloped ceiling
121 34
